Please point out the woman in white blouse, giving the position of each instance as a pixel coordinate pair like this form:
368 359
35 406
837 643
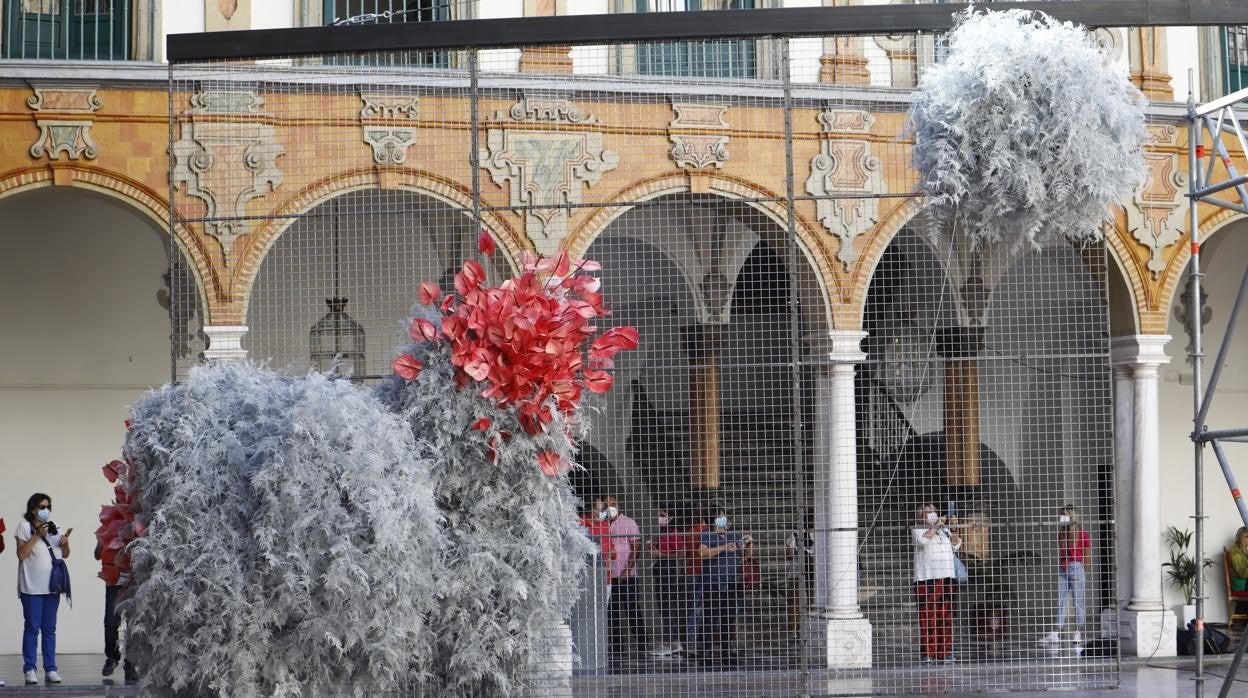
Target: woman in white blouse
935 584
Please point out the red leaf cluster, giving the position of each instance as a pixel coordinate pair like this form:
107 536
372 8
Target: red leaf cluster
529 340
118 526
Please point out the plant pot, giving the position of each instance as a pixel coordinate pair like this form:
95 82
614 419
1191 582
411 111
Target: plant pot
1185 615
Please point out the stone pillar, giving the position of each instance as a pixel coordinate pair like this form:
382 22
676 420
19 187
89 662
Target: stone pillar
836 505
225 342
544 59
1146 628
1147 51
843 62
702 345
960 347
1124 426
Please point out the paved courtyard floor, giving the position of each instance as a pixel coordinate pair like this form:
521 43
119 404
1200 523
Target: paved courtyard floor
1159 679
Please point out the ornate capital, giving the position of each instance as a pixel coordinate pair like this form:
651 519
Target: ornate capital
384 106
1140 350
57 135
842 178
226 163
389 141
695 145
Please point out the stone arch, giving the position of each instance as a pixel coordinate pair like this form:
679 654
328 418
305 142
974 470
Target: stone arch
510 241
767 203
1159 308
134 195
1125 264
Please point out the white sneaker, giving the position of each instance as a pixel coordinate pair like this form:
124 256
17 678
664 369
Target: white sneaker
660 651
53 677
1050 639
678 648
32 678
1078 637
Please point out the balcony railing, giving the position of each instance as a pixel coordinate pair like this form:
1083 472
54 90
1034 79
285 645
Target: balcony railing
78 30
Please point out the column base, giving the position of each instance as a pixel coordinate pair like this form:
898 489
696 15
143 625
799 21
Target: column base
849 643
1147 633
554 673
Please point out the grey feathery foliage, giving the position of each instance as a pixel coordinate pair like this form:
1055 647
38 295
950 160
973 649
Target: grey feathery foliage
292 538
1026 130
515 548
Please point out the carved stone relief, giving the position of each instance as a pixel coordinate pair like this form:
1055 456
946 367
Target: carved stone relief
843 175
698 150
545 171
1157 216
226 163
389 142
57 135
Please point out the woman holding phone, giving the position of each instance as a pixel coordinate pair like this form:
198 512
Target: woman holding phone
38 541
935 585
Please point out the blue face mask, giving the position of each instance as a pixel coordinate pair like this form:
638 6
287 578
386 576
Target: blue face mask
43 515
721 522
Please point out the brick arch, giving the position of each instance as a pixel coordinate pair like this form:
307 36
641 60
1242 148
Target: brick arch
136 196
729 188
1157 320
510 242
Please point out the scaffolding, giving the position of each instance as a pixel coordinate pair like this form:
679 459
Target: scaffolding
1212 123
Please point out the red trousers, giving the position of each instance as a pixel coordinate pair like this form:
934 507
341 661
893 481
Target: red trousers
936 598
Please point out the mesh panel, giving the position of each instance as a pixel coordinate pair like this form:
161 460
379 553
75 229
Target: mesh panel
819 360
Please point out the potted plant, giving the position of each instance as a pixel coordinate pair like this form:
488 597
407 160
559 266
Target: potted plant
1181 571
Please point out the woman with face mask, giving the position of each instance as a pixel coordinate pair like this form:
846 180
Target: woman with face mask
38 541
670 586
722 552
935 582
1073 546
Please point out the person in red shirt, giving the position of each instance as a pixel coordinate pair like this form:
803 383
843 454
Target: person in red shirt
599 529
1073 546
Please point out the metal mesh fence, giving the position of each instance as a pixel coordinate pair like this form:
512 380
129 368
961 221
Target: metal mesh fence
839 456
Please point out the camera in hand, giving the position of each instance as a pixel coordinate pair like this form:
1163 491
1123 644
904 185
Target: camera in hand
51 529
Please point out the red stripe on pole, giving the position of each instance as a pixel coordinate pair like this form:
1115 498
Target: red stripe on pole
1195 248
1235 493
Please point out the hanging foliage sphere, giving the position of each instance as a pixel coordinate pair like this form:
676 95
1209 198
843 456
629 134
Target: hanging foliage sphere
1027 130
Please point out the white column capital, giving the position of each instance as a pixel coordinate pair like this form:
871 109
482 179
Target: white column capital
840 346
225 342
1139 350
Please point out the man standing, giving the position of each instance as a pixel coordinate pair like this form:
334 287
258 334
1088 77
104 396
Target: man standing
112 627
624 605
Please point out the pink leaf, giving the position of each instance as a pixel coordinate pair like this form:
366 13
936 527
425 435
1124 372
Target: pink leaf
485 243
407 367
429 293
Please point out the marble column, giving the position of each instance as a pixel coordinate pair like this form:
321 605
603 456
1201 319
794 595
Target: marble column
1124 426
225 342
1146 628
836 505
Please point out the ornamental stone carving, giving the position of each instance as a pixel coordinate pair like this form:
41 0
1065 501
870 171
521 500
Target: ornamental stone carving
1156 219
695 146
226 162
545 171
843 176
539 108
383 106
390 142
59 135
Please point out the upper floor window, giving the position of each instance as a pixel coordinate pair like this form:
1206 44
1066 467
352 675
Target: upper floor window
76 30
1235 59
393 12
720 58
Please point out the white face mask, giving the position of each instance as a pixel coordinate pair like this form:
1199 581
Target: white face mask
602 514
664 520
721 522
1063 519
932 518
612 512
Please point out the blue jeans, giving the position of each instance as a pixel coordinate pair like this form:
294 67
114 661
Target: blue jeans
39 614
1071 583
